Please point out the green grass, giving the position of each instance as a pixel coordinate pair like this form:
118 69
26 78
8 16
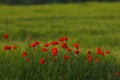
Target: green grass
92 25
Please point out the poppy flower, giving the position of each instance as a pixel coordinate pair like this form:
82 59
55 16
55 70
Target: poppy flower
116 74
99 50
28 60
54 43
89 52
33 44
61 39
46 44
6 36
36 43
97 60
77 52
43 50
76 45
14 47
107 51
42 61
66 57
7 47
64 45
54 51
24 54
66 38
89 58
69 49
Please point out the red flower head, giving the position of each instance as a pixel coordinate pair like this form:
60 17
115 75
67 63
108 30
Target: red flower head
116 74
89 58
54 43
28 60
61 39
36 43
54 51
7 47
14 47
43 50
24 54
69 49
107 51
33 44
77 52
99 50
64 45
76 45
89 52
66 38
6 36
46 44
42 61
97 60
66 57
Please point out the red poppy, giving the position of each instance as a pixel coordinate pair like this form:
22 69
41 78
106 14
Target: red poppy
36 43
77 52
46 44
76 45
24 54
61 39
14 47
33 44
6 36
66 57
43 50
69 49
66 38
99 50
89 58
107 51
7 47
28 60
89 52
54 43
54 51
97 60
64 45
116 74
42 61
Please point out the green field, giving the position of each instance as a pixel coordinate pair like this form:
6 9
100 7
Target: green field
92 25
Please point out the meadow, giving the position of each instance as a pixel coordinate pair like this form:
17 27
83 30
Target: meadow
92 25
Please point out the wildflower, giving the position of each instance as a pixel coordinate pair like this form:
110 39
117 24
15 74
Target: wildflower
77 52
61 39
42 61
66 57
6 36
89 52
28 60
54 43
14 47
64 45
7 47
43 50
69 49
97 60
54 51
107 51
76 45
46 44
24 54
33 44
116 74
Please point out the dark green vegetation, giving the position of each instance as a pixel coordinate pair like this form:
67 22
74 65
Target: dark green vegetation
92 25
48 1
